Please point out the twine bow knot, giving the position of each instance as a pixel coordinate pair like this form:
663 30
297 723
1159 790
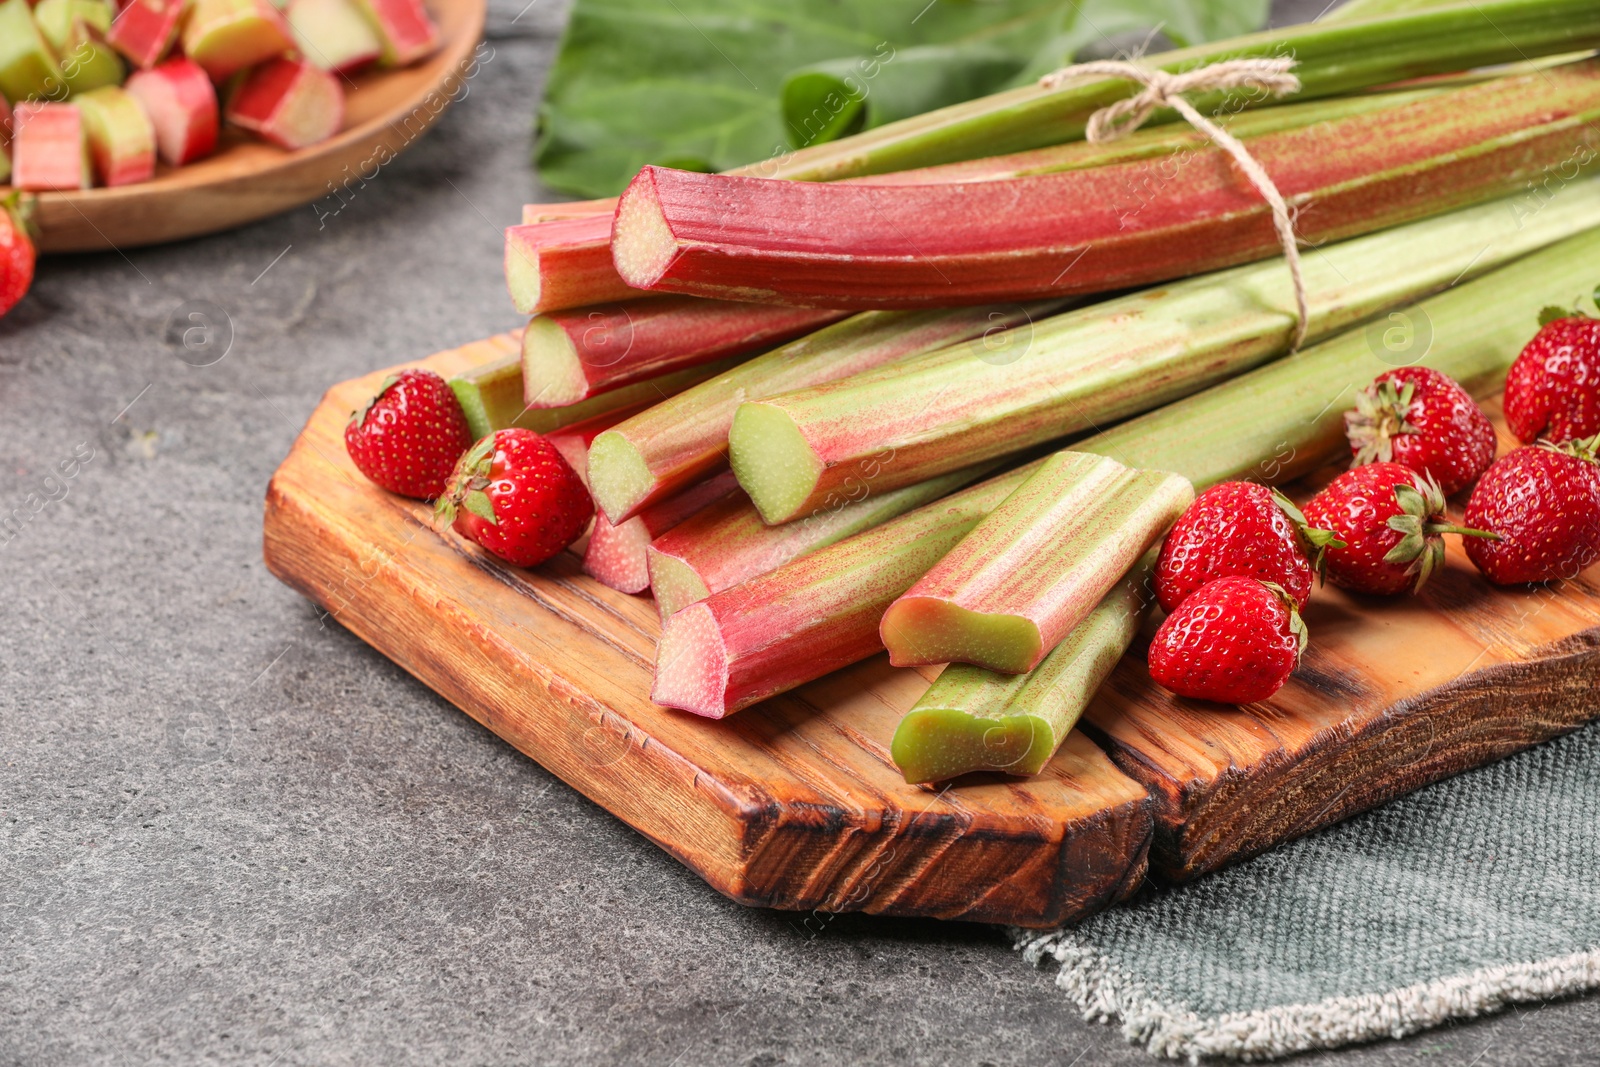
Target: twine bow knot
1162 89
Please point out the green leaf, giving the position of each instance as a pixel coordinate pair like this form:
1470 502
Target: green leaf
714 84
477 502
1552 313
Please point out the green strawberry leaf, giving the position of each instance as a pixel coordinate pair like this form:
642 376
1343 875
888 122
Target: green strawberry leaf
477 502
1552 313
714 84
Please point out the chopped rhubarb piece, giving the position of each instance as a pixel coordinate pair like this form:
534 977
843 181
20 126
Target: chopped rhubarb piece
49 148
27 67
122 141
616 554
491 396
811 616
75 30
846 244
651 456
405 28
568 356
573 440
563 263
1072 372
290 103
973 719
144 29
333 34
727 543
225 36
1035 566
182 105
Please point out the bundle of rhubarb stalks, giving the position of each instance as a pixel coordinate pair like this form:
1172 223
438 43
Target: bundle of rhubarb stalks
950 388
72 116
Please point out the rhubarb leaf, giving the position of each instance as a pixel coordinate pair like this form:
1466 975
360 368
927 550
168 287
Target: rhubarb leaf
715 84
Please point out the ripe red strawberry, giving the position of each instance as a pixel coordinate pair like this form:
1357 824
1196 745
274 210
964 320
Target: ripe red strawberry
1553 388
1239 529
516 496
1422 419
1234 640
17 254
409 436
1390 519
1544 502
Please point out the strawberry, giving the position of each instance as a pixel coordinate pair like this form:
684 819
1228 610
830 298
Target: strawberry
1234 640
409 436
515 495
1553 388
1390 519
1239 529
1422 419
1544 502
17 253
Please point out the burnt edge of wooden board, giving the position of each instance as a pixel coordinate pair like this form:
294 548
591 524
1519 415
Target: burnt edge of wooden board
748 841
1476 719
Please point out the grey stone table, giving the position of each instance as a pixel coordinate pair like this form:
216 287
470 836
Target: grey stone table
230 832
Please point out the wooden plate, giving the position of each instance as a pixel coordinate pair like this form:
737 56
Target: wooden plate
795 804
248 180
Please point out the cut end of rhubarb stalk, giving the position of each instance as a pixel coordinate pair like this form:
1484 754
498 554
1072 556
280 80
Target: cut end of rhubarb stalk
523 280
773 461
642 245
616 555
919 629
691 664
937 744
673 583
618 476
552 372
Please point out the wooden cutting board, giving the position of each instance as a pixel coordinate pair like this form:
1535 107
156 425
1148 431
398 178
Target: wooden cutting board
795 803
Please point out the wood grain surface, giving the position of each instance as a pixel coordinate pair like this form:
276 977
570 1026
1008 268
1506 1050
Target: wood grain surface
247 179
795 804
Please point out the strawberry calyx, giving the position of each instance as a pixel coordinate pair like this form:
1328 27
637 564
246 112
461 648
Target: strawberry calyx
1421 541
1553 313
468 485
1584 448
358 417
19 206
1297 625
1314 542
1380 415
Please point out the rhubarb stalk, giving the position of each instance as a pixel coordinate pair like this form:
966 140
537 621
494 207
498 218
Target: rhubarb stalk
616 554
652 455
491 395
1089 367
821 612
727 543
1036 566
811 616
568 356
971 719
860 245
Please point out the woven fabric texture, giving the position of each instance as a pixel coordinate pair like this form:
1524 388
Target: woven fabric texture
1456 900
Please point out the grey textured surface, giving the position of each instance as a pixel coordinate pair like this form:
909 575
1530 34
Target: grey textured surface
231 834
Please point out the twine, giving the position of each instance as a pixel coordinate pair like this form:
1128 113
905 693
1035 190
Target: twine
1163 89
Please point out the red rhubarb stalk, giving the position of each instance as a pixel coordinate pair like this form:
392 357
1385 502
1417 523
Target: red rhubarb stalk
616 555
857 245
573 440
814 615
179 98
561 263
1035 566
652 455
49 149
728 542
568 356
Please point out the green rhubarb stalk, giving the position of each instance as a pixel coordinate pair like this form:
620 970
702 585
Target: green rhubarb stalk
971 719
491 396
1036 566
813 615
651 456
1334 58
727 543
821 611
1076 371
1281 421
